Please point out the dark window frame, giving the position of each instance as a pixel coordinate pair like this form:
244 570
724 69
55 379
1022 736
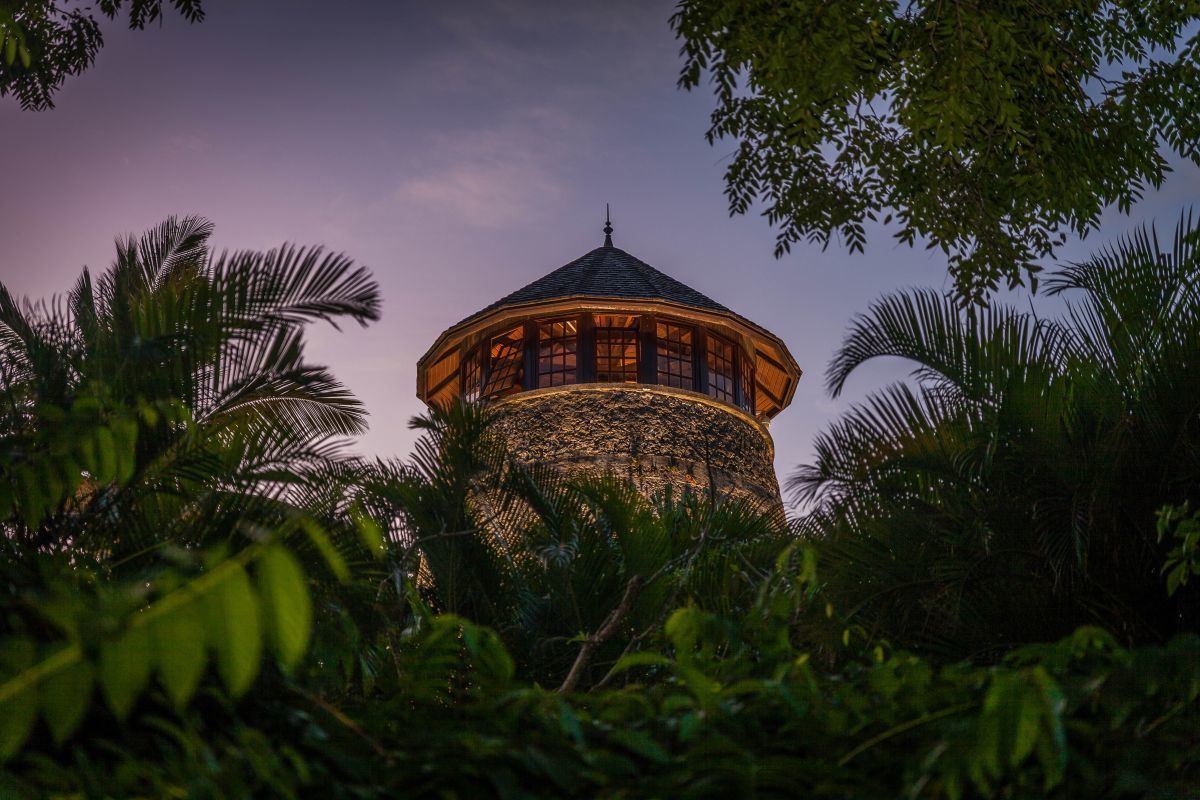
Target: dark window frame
720 355
563 368
675 356
697 358
508 368
617 343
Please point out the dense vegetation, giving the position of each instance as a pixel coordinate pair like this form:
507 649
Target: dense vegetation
990 131
204 594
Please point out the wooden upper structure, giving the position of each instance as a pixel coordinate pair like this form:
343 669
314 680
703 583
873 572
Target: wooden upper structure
608 317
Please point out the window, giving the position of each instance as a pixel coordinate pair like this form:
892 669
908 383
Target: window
505 367
720 368
675 347
470 375
616 348
558 344
747 383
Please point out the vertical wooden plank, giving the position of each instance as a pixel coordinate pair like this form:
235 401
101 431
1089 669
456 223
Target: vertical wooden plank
648 339
737 373
530 379
585 353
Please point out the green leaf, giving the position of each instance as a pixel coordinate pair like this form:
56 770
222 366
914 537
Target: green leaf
23 53
30 494
106 448
644 658
124 432
19 711
488 652
287 608
1029 720
1052 750
369 533
234 629
125 665
683 629
52 485
179 650
1176 577
320 539
65 696
85 448
10 50
641 744
568 723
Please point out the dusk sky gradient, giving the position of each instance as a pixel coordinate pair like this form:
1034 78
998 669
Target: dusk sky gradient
459 150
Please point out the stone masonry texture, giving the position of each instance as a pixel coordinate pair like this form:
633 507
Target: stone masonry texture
655 438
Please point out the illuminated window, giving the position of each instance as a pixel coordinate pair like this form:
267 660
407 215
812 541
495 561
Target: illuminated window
616 348
505 363
747 384
470 376
720 368
558 345
675 347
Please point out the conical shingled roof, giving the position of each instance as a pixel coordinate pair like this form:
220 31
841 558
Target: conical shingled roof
606 272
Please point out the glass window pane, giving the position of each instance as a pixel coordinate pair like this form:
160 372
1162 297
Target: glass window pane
675 352
556 352
506 366
719 358
616 348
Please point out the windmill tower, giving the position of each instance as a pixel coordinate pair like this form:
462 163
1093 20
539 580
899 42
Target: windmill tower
607 364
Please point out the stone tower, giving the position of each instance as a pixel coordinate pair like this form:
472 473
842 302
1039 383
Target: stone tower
608 365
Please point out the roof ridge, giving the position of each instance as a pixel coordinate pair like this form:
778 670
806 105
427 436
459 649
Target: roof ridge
610 272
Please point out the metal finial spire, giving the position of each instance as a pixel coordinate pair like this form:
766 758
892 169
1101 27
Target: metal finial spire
608 228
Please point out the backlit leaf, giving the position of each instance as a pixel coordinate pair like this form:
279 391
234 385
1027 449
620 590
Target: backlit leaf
125 665
287 608
179 650
19 711
65 696
234 629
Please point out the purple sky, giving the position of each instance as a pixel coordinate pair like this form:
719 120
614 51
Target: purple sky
460 150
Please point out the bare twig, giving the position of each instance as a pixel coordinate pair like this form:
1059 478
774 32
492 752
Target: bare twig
613 621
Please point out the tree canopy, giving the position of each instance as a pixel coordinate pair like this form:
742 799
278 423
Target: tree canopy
203 594
988 130
43 42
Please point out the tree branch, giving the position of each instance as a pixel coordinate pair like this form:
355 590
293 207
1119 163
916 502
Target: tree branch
611 623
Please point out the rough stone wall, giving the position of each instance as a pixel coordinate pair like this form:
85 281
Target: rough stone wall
654 437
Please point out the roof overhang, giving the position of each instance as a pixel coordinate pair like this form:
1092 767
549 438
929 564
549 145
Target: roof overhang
758 341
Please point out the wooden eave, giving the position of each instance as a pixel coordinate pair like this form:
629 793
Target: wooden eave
758 341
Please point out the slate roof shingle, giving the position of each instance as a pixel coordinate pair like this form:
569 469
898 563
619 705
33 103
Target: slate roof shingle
607 272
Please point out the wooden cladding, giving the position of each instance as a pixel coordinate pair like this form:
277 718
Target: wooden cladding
609 348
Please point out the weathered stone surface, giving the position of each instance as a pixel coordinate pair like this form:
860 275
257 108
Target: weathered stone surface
654 436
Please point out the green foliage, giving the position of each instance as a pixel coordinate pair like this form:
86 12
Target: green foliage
548 561
987 130
178 382
1011 493
43 42
1183 560
463 625
221 610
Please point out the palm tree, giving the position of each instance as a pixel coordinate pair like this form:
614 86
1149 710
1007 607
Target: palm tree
205 353
559 565
1010 494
